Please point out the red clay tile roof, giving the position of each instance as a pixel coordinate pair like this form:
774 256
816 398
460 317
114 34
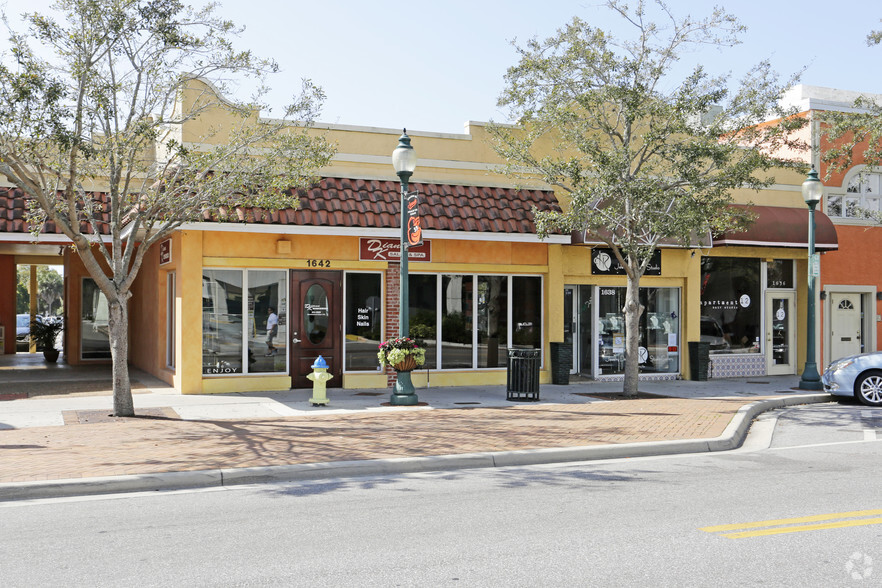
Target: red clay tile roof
341 202
13 212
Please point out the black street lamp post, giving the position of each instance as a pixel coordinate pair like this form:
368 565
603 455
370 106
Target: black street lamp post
812 189
404 161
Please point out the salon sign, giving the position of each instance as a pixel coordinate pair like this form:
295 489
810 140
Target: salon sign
371 249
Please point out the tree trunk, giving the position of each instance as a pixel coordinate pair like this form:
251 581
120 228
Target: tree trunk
632 311
123 405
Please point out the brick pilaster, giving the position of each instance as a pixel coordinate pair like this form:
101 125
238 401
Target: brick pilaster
393 306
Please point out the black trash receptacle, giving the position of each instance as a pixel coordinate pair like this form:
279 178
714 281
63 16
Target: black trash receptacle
699 360
561 363
523 374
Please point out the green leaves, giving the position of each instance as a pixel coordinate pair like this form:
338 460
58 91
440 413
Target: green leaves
644 151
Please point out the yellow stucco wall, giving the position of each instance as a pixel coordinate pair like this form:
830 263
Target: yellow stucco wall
466 158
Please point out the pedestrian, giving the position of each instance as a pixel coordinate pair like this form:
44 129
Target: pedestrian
272 329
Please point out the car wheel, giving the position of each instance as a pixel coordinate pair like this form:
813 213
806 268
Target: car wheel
868 388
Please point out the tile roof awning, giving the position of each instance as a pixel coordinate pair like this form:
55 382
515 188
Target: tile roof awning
778 226
343 203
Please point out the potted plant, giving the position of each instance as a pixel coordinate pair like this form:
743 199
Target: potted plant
403 354
45 332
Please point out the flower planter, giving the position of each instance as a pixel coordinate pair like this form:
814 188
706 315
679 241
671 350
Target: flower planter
408 364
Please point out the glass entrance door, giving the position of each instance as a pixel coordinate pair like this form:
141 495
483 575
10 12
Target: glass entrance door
578 328
780 333
570 327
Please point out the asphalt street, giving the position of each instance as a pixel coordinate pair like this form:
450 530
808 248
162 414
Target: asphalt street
804 489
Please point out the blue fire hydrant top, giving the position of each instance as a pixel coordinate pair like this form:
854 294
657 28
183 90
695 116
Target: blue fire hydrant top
320 363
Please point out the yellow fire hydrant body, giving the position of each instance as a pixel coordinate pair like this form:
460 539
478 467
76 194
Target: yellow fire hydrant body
319 377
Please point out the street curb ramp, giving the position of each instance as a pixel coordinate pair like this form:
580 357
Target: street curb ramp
731 438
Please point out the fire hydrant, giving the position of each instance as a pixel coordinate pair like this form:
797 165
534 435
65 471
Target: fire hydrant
319 377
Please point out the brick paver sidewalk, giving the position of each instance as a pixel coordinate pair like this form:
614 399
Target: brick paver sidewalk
152 445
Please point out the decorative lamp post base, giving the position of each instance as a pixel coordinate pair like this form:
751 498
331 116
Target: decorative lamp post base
810 379
810 384
403 393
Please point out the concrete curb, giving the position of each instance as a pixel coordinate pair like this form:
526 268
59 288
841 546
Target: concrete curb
732 438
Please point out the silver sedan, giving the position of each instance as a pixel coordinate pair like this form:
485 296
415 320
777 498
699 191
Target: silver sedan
856 375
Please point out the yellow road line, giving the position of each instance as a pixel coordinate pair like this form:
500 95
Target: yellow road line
797 524
781 530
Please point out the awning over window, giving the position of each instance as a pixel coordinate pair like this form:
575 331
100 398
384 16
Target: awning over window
777 226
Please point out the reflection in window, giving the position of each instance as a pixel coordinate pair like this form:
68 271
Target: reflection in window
94 317
779 273
456 322
526 312
659 325
423 298
267 296
780 331
364 320
492 321
508 311
863 195
316 314
730 304
221 321
170 314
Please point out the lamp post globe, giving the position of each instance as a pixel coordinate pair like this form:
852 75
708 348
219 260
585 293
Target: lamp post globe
404 161
812 190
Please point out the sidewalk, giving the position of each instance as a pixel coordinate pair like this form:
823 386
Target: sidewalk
66 444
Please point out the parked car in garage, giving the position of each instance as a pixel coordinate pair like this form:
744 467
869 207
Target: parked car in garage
856 375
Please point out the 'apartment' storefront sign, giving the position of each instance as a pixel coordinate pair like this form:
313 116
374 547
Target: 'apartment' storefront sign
370 249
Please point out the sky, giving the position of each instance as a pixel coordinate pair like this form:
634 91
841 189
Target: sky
433 65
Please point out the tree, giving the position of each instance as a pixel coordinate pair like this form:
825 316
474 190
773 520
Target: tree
22 290
79 130
50 290
855 134
644 155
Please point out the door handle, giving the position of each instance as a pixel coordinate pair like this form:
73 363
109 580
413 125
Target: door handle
295 340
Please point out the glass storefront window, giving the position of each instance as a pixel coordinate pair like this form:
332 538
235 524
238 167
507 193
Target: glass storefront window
423 295
94 317
492 321
659 325
267 296
456 322
509 313
364 321
779 273
222 321
730 304
526 314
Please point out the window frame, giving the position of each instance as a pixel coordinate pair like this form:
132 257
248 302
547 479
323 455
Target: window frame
170 320
246 317
474 310
846 200
380 276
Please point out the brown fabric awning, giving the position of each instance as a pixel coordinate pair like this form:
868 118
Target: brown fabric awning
778 226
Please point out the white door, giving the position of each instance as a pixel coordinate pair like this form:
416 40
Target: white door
845 324
780 333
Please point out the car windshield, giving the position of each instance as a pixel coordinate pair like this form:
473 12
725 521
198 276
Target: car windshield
22 320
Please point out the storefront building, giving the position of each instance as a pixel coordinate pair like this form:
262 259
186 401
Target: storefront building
481 284
850 282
